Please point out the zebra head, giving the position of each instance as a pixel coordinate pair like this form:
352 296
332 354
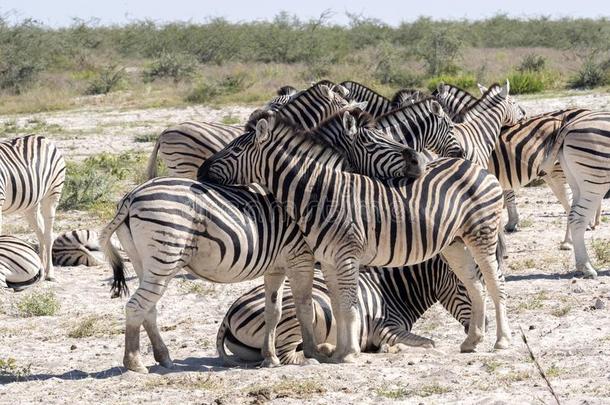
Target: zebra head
368 151
405 97
442 141
515 113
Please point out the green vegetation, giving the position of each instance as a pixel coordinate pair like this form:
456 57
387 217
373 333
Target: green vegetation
38 304
95 325
601 248
149 65
287 388
423 391
94 184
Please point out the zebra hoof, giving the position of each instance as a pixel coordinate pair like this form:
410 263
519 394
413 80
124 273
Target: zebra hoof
587 271
326 349
502 343
134 364
566 246
511 228
468 347
310 362
52 279
346 358
168 364
271 362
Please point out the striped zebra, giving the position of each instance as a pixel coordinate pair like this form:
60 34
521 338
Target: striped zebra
32 173
519 153
390 301
184 147
405 97
223 234
350 220
76 248
20 265
582 147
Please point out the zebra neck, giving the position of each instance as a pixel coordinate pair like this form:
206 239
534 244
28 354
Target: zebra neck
410 126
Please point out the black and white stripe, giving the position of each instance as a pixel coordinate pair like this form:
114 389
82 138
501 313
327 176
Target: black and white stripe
32 173
390 301
77 248
350 220
20 266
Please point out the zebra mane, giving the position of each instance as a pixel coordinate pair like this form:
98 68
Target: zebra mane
456 88
356 84
408 107
459 116
286 91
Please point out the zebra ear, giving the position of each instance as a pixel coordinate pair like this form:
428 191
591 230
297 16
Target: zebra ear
327 91
361 105
341 90
505 89
416 96
262 131
482 88
349 124
436 108
441 89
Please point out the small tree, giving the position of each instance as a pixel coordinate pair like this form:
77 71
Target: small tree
439 50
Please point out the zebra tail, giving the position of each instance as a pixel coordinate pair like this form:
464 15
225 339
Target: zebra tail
223 334
119 285
20 286
151 168
552 147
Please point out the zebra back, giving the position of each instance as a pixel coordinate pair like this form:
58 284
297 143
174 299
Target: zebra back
455 101
76 248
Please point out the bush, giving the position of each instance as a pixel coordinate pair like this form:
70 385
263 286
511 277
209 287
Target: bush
202 93
526 82
465 82
176 66
92 183
439 50
108 79
38 304
532 63
230 84
590 75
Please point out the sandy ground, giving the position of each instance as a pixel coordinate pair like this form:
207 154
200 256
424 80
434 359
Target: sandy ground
558 313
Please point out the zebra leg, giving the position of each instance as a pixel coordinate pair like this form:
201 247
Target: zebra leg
159 348
510 199
557 183
152 286
35 219
48 207
342 282
400 336
301 285
598 217
274 283
462 264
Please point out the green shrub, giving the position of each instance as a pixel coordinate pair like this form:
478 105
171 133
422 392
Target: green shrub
590 75
176 66
439 49
230 84
38 304
108 79
465 81
526 82
532 63
91 184
202 93
10 369
143 138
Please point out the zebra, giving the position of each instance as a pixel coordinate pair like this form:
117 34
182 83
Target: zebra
184 147
582 147
350 220
220 233
20 265
390 300
404 97
75 248
32 172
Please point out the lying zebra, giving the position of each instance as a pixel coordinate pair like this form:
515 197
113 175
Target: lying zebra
76 248
390 302
20 265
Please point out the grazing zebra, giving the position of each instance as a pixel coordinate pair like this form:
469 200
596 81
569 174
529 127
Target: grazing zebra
350 220
184 147
582 147
76 248
32 173
222 234
376 103
20 266
422 125
390 301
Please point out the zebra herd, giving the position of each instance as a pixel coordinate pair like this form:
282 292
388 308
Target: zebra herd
372 208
